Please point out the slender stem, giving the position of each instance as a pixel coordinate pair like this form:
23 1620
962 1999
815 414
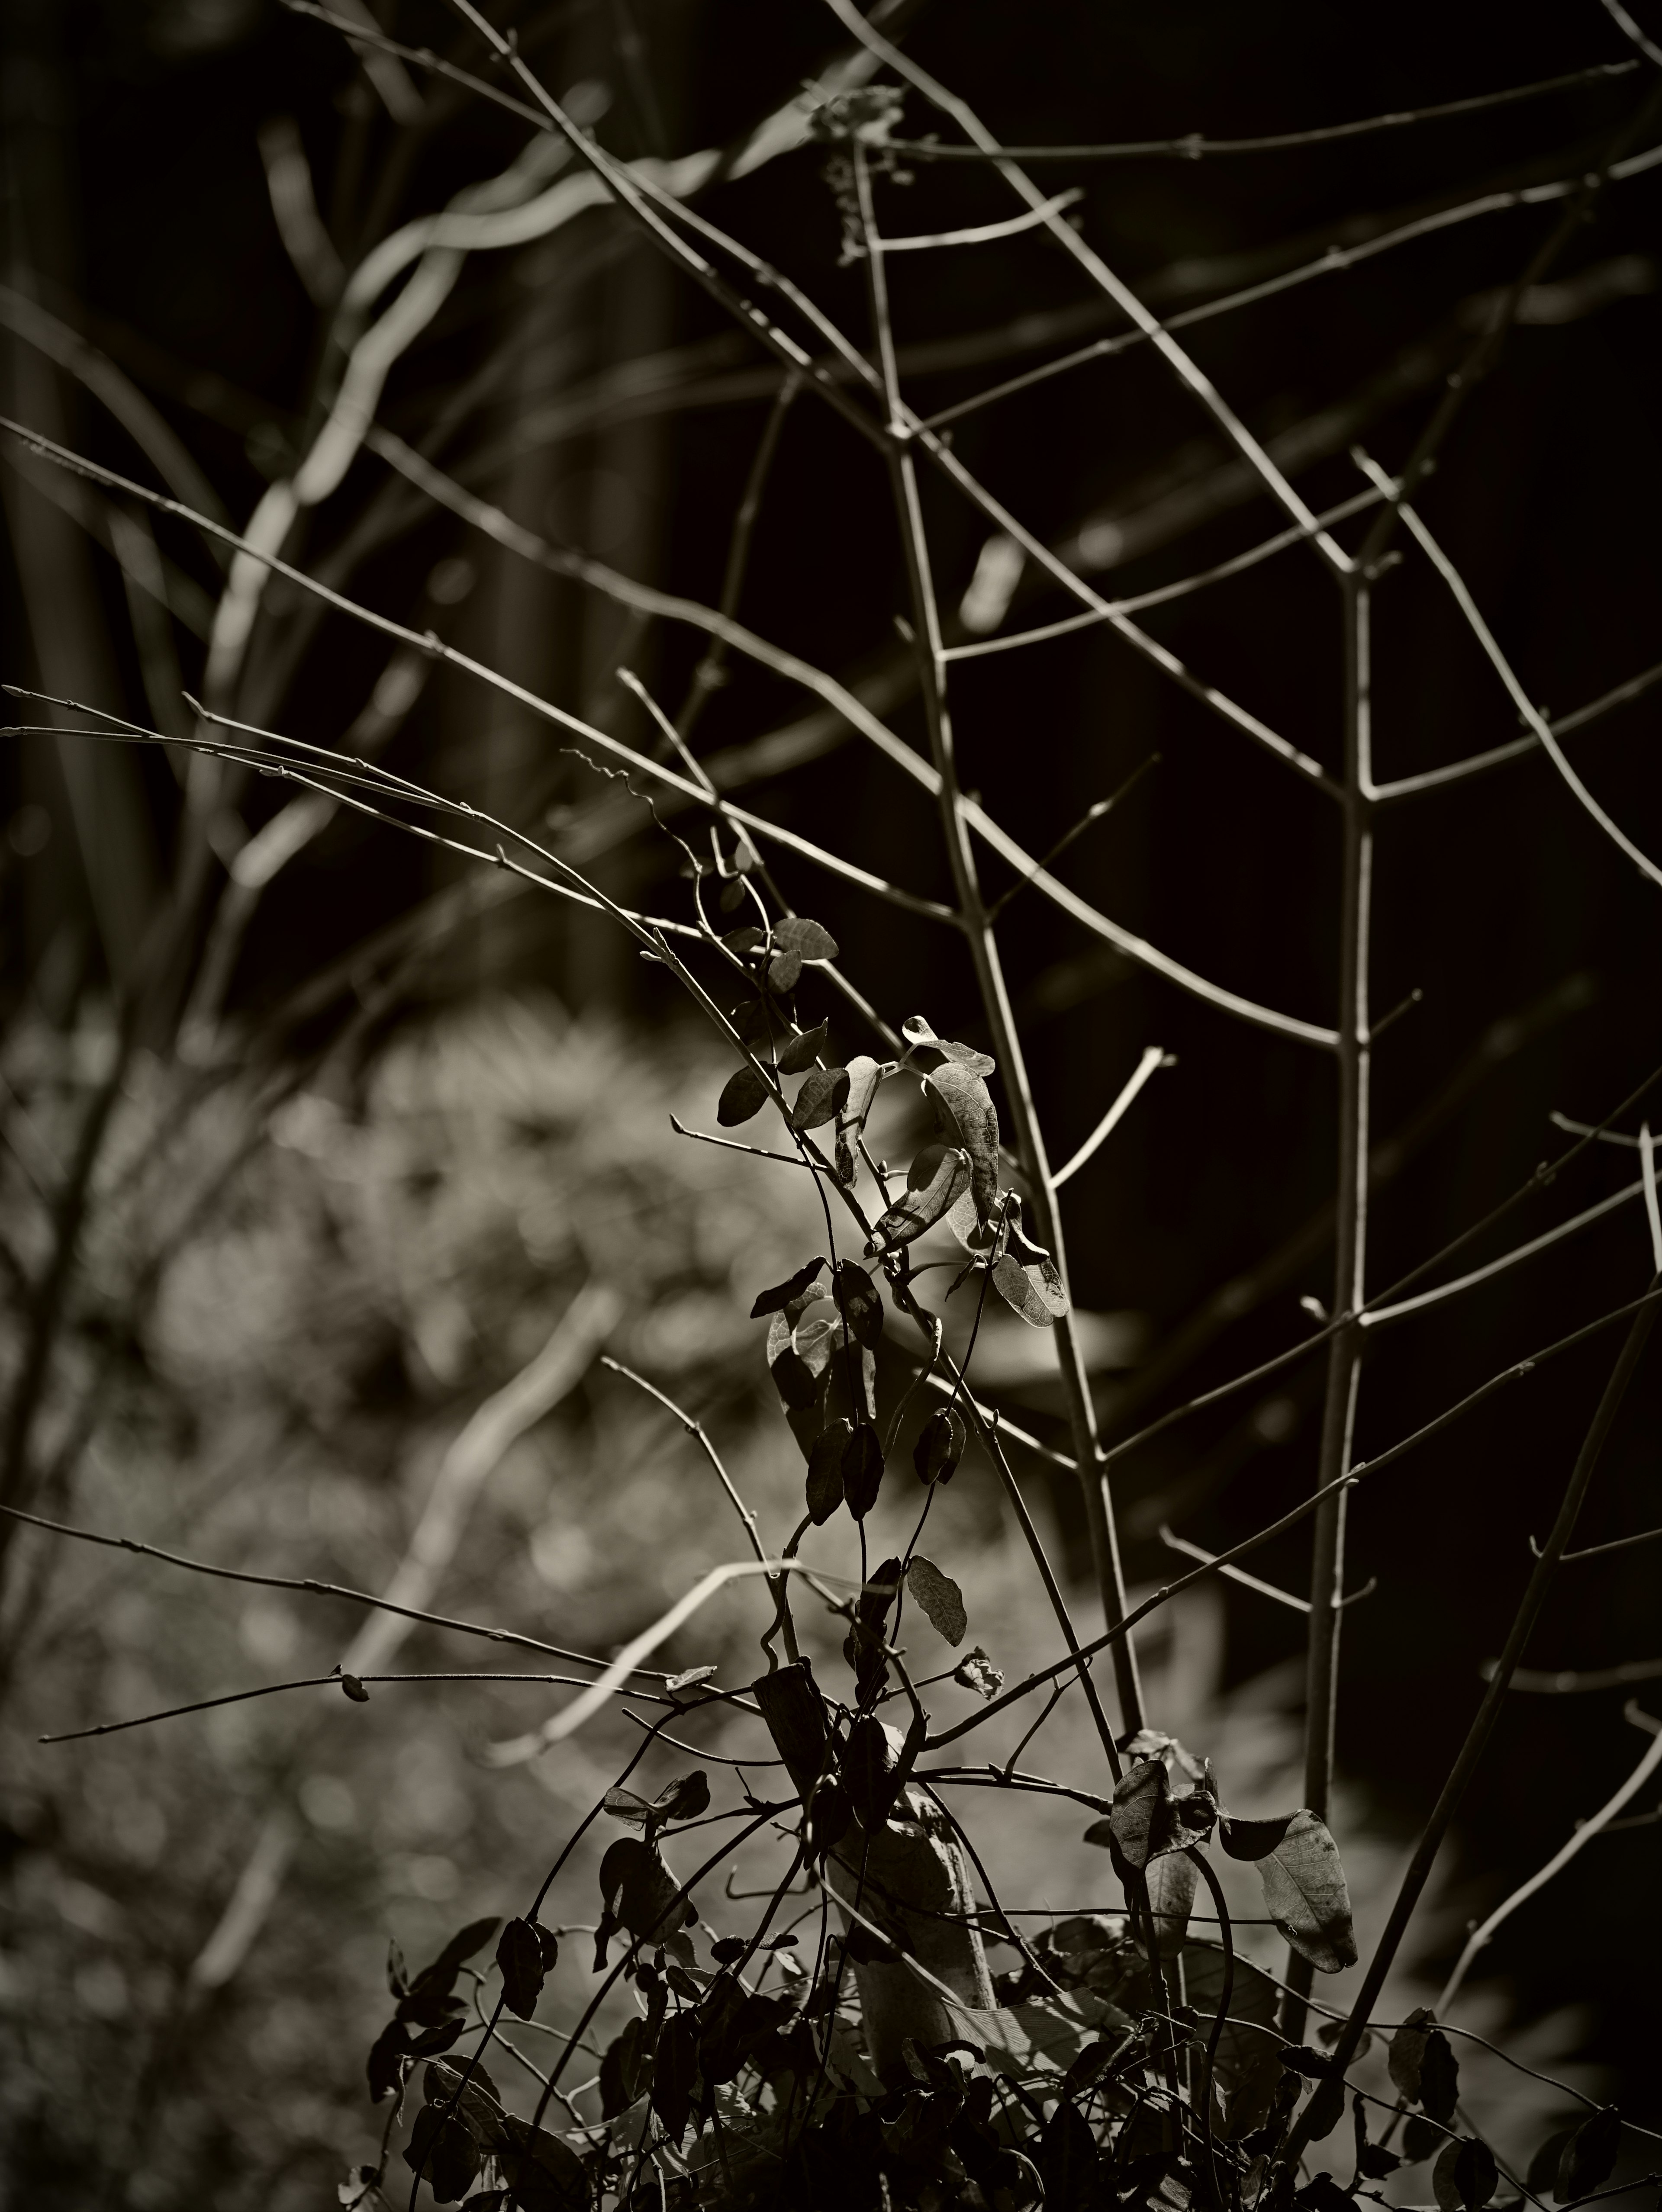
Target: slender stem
989 974
1344 1353
1489 1712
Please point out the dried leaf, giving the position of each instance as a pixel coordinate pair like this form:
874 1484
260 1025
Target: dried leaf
743 1097
802 1051
1304 1894
776 1299
824 1490
940 1445
939 1598
809 939
1407 2048
861 1466
976 1671
689 1677
936 1178
821 1098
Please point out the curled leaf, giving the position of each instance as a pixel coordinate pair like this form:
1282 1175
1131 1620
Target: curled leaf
939 1598
355 1689
864 1076
940 1445
689 1677
1305 1895
743 1096
776 1299
936 1178
967 1117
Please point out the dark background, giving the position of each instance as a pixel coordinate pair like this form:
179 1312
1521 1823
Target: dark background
137 199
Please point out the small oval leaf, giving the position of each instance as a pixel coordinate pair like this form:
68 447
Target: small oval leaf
940 1445
810 939
825 1491
862 1469
802 1051
823 1093
520 1956
743 1096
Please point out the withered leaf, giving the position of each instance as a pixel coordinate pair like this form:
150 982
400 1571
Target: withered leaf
938 1597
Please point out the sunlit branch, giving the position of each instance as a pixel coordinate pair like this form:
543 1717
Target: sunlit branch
1154 1059
1439 778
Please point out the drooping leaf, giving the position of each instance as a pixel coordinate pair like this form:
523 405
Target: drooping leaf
967 1117
445 2151
1439 2077
809 939
743 1097
1543 2174
939 1598
936 1179
1421 2137
1466 2176
871 1764
976 1671
1142 1823
776 1300
469 2091
1253 1839
1407 2048
1068 2160
793 1379
673 2068
802 1051
940 1445
385 2068
520 1956
1589 2156
1172 1883
626 2066
861 1465
544 2174
858 1302
1035 1292
639 1893
823 1093
824 1490
1305 1895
